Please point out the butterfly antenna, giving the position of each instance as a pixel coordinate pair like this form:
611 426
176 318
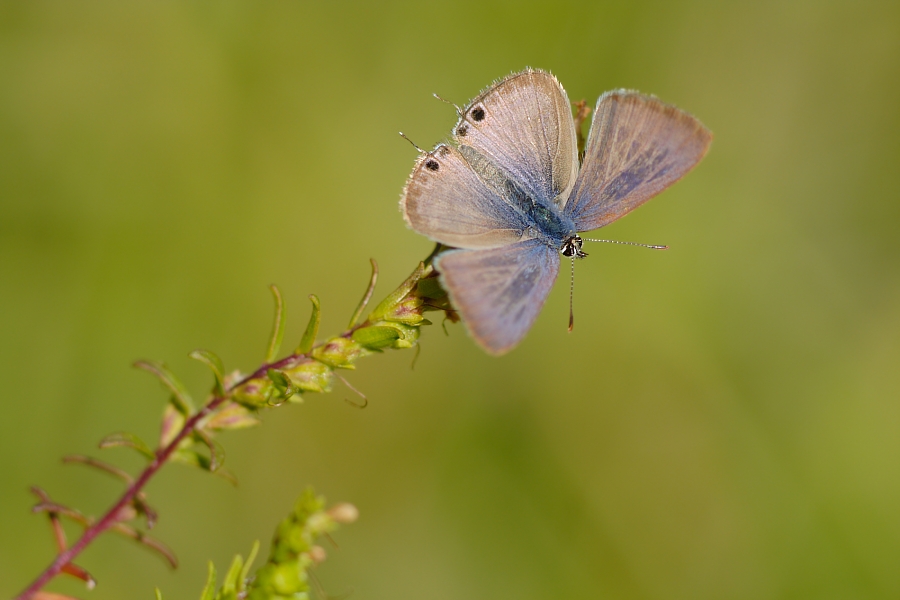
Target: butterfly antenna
403 135
458 109
571 297
651 246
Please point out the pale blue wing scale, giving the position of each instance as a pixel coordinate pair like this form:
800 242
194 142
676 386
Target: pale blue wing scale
637 147
523 124
445 200
500 291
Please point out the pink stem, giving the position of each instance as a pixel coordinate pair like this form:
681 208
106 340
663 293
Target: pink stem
111 517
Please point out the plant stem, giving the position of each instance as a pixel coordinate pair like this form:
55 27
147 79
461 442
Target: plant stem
111 516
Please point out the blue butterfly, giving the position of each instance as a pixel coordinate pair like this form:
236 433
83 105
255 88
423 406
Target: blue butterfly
508 194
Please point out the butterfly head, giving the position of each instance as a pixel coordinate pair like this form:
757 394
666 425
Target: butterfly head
572 247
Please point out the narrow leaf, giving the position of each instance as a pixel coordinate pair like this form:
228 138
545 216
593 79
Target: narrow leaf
282 382
129 440
63 511
366 297
148 542
99 465
216 450
277 326
172 422
209 590
215 365
312 328
141 507
158 594
59 534
231 585
80 573
250 558
181 397
196 459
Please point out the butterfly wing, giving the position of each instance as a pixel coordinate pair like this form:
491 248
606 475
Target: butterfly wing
446 200
524 125
499 292
637 147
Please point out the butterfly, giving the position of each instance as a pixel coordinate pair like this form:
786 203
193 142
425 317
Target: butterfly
507 192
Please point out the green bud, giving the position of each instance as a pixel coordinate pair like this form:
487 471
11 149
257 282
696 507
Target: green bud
282 382
311 376
338 352
255 393
408 310
376 337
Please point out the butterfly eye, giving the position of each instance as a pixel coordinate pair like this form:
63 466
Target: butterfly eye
478 113
432 165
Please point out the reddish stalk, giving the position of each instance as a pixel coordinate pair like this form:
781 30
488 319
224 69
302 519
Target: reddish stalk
110 518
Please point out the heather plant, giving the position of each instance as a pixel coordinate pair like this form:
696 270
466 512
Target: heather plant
189 434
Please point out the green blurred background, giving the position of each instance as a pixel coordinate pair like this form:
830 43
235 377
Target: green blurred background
722 423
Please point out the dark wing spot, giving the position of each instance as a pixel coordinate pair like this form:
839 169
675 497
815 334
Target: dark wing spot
478 113
432 165
462 130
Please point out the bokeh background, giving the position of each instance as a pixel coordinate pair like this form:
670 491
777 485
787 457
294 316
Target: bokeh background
722 423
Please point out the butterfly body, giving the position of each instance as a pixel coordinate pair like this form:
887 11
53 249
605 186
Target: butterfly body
509 195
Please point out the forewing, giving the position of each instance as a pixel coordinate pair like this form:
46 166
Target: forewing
524 125
637 147
499 292
445 200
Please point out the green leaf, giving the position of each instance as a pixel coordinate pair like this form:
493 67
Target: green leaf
231 416
215 365
129 440
193 458
312 328
376 336
172 422
387 305
277 327
282 382
158 594
147 541
216 450
250 558
366 297
232 583
408 335
209 590
105 467
180 396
